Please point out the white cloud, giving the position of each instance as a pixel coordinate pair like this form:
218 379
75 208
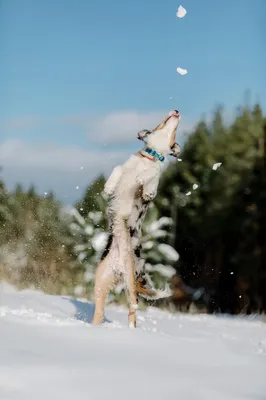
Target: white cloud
59 167
121 126
17 153
54 167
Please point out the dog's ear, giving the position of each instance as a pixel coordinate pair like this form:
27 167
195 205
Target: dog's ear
143 134
175 150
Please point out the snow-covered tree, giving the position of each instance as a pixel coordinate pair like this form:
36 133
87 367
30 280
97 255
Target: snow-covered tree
158 254
90 242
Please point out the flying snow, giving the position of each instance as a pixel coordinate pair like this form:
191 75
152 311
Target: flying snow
216 166
195 186
188 193
181 12
181 71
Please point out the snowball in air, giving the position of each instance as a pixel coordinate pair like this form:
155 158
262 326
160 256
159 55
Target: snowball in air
181 12
195 186
216 165
181 71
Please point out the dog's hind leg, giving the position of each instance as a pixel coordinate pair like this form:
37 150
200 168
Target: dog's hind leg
127 265
130 284
104 280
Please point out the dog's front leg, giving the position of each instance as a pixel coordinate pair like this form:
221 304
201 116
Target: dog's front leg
150 189
112 181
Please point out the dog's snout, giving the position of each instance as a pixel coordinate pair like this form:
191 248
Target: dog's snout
174 113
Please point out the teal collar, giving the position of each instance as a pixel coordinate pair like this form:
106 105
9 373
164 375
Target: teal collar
154 153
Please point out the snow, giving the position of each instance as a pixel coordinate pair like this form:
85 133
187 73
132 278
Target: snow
148 245
158 224
181 12
88 229
188 193
181 71
216 166
50 351
164 270
168 251
99 241
195 186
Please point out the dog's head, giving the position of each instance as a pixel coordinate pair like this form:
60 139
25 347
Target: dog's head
162 138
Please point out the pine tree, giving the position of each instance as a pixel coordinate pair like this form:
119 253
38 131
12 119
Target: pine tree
207 218
159 255
92 201
90 243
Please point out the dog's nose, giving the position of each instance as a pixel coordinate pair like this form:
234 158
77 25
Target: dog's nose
174 113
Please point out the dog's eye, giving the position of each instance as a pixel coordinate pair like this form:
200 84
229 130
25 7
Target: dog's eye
143 134
175 150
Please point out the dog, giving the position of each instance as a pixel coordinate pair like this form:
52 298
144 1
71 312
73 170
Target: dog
131 187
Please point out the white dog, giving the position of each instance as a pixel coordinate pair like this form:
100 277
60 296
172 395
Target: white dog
132 187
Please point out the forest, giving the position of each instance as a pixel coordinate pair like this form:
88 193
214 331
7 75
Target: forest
204 235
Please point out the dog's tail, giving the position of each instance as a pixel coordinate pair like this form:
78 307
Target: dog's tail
145 289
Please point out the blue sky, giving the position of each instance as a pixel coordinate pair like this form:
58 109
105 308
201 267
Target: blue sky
79 77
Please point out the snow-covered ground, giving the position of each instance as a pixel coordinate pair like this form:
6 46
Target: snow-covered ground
49 350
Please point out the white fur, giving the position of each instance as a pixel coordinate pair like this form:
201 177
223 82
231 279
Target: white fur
111 183
125 180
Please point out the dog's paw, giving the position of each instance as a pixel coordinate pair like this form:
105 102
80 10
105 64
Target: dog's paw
148 196
139 180
109 189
